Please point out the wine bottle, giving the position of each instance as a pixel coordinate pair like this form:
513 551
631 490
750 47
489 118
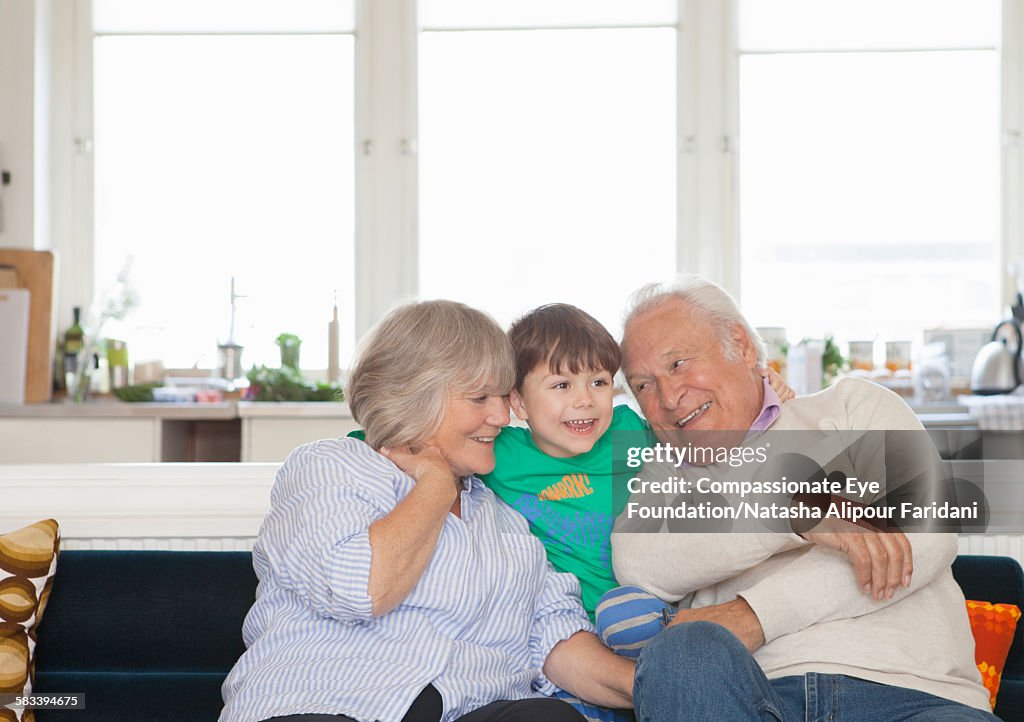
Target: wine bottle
73 339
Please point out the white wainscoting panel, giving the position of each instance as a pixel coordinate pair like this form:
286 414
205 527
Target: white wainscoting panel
193 507
215 507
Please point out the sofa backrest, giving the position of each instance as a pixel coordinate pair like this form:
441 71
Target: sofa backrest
146 611
113 614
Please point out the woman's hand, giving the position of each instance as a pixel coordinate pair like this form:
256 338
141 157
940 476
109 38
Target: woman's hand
779 384
427 465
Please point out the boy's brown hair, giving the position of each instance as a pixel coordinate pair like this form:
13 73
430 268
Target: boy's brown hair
564 337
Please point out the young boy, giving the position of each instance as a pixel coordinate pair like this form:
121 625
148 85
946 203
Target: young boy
559 472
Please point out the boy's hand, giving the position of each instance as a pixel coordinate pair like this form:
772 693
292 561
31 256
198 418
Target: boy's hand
778 384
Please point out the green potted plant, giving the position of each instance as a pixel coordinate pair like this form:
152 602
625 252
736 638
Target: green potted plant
289 344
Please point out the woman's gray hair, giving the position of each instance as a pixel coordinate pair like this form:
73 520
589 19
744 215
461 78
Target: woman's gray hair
702 297
409 364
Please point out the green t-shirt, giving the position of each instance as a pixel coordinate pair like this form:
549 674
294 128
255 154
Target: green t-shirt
568 502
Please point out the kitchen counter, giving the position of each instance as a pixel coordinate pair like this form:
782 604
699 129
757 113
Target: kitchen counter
289 409
111 431
111 408
955 420
107 430
118 409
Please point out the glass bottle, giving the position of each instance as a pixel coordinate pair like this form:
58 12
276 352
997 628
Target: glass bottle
73 339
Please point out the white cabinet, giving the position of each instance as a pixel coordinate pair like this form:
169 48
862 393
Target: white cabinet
78 440
148 432
271 431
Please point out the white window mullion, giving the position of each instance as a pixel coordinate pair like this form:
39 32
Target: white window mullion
1012 132
706 230
689 136
386 166
73 179
729 235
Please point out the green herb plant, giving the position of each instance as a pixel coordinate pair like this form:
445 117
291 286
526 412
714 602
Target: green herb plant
287 384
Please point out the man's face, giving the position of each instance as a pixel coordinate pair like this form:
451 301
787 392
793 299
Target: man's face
674 361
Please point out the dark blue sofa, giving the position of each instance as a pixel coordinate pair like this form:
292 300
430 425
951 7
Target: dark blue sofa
149 636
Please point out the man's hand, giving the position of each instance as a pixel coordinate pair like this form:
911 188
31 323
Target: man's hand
882 561
784 390
736 616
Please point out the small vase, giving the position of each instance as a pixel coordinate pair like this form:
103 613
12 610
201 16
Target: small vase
78 382
290 355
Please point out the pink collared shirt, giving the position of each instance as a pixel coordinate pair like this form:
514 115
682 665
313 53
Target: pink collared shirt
770 409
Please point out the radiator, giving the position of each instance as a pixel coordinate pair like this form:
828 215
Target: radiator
1003 545
177 544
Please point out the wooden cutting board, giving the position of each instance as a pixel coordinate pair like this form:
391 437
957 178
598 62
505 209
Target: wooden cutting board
36 271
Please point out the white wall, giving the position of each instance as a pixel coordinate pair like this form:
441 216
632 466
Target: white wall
17 118
37 102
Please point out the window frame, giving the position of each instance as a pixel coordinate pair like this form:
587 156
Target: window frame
386 164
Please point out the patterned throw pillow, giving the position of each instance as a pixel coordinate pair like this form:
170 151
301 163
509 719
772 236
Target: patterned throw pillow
28 560
993 626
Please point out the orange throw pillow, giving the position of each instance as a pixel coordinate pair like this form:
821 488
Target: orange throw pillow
993 626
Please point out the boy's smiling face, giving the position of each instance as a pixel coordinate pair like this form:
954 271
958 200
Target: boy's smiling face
567 412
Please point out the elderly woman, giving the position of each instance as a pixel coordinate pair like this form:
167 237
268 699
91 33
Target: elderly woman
393 584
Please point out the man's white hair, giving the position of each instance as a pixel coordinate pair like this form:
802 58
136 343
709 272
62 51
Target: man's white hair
705 298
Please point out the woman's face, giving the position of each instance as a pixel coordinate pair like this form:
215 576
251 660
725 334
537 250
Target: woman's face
466 435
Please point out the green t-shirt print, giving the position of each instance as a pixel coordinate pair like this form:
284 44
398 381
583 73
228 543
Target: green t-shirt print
570 503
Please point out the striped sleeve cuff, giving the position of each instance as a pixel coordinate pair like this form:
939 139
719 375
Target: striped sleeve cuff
551 631
348 578
560 615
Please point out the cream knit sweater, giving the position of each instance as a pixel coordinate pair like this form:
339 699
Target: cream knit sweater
814 617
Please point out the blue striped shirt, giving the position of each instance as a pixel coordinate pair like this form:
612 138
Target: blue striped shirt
478 625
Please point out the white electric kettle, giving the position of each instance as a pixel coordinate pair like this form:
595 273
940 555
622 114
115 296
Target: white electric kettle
996 368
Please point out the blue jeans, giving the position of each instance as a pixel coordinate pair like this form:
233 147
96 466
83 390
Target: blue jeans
701 671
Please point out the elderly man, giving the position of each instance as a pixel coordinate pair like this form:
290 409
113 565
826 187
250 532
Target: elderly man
780 628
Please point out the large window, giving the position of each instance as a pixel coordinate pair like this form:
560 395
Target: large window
223 147
547 153
869 165
838 164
